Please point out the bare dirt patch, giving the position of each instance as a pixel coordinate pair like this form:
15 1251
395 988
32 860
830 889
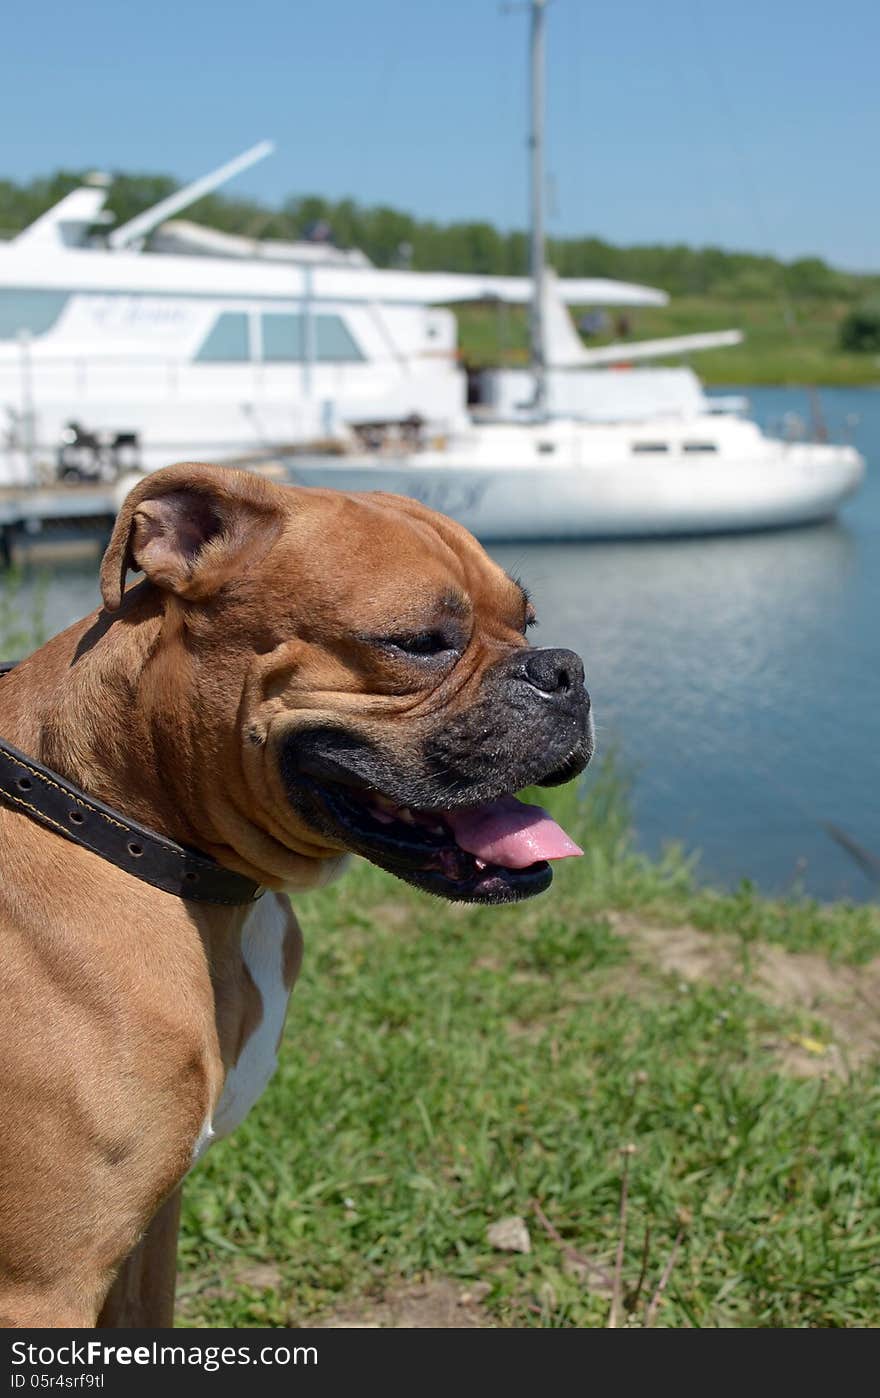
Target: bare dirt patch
435 1303
396 916
425 1303
206 1284
845 998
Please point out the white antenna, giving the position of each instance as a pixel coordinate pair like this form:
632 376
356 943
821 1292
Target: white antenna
136 230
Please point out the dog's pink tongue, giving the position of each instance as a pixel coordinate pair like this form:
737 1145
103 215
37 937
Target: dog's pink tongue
510 833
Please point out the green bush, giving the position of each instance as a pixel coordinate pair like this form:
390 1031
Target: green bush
860 330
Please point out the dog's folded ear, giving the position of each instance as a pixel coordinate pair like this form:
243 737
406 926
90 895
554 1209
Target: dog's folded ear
186 528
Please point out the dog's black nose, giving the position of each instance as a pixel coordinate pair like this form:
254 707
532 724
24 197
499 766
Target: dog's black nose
553 673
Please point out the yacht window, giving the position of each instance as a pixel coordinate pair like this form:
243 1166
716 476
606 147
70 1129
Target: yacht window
34 311
545 448
650 446
282 338
699 446
334 342
227 342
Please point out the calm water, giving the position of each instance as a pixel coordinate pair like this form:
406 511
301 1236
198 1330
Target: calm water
737 677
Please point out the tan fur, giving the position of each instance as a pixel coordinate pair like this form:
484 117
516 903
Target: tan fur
124 1007
142 1293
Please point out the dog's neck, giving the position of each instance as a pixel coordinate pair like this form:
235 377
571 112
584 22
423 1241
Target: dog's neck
155 759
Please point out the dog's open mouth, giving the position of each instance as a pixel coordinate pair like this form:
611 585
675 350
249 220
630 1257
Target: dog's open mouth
495 852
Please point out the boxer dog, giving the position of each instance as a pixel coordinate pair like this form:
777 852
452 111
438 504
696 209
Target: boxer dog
300 675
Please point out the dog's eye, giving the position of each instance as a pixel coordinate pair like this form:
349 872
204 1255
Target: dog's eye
424 643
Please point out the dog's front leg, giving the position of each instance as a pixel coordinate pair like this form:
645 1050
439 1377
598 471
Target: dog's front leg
143 1291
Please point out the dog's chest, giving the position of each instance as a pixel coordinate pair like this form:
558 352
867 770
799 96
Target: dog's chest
263 942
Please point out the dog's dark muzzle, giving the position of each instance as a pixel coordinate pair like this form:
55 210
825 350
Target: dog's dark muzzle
531 727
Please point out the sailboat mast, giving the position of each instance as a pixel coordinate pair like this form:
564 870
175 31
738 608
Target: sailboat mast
537 254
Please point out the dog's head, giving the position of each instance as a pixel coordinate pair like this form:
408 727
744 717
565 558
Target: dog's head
364 671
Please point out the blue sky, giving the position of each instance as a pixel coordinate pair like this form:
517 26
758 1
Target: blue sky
752 126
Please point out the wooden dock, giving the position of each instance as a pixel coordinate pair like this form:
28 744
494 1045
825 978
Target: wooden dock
34 518
44 515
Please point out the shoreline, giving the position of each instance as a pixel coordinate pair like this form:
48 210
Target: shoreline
771 356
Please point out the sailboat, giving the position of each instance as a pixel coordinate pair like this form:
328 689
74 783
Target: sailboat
567 449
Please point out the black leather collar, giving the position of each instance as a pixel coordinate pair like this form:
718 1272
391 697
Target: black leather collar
58 805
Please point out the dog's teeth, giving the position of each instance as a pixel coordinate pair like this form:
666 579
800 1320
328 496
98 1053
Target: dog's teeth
437 829
406 815
480 863
382 803
382 816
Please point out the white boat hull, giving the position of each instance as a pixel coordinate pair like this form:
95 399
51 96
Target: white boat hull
583 494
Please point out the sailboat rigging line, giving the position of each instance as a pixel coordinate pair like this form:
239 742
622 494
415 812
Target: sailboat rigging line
538 257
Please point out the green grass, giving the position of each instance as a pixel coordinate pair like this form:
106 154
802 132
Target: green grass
447 1067
771 353
21 631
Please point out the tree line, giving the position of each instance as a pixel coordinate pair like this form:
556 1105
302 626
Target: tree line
390 238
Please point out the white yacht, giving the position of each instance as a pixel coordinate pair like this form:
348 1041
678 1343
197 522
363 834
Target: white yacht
174 341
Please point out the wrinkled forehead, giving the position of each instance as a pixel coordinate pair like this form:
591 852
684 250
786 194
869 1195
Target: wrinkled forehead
384 559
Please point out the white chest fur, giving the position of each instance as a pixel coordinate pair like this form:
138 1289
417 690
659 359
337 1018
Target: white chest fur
262 948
